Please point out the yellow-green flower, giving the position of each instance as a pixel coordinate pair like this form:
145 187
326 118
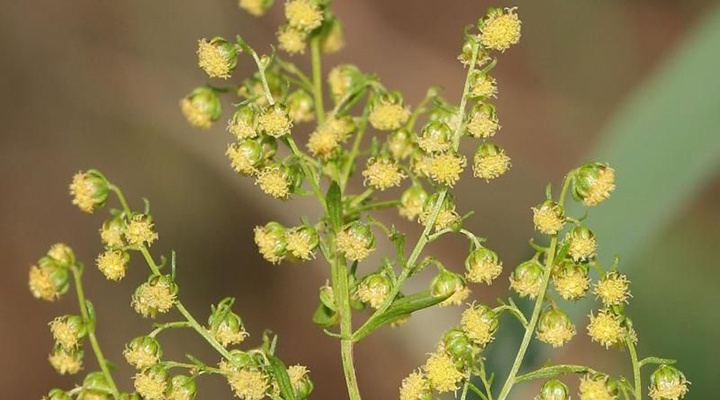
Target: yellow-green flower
500 30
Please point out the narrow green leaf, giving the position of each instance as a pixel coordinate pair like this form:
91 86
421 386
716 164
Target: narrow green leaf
281 377
333 200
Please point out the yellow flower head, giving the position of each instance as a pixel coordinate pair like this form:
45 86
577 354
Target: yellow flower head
571 281
275 181
490 162
182 387
613 289
201 107
582 243
548 217
254 7
303 15
151 383
89 190
68 330
113 264
299 377
442 373
382 174
48 282
606 328
356 241
526 280
292 40
412 201
436 136
388 113
482 265
593 183
230 331
66 361
374 289
479 324
140 230
445 168
143 352
112 232
415 387
483 122
555 328
271 243
447 216
245 156
302 242
450 286
248 384
157 295
242 124
596 388
341 79
668 383
323 143
500 30
483 86
62 254
274 121
217 57
340 126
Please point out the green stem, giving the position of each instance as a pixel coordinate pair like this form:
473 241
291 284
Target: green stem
362 127
637 378
463 396
317 79
169 325
486 384
261 69
90 324
342 296
309 173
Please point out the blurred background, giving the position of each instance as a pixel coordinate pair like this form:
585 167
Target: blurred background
97 84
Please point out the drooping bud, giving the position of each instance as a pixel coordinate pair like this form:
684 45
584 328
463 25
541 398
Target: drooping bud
356 241
62 254
606 328
482 265
302 242
112 231
582 243
182 387
465 56
333 38
48 280
68 330
412 201
442 373
271 243
482 121
201 107
303 15
555 327
597 387
113 264
553 390
479 323
66 361
57 394
482 85
613 289
277 180
668 383
571 280
435 136
151 383
490 162
246 156
255 7
415 387
400 144
242 124
95 387
217 57
548 217
89 190
388 112
593 183
143 352
140 230
300 381
374 289
226 325
450 286
459 346
274 121
382 174
526 280
343 79
156 296
300 106
292 40
447 217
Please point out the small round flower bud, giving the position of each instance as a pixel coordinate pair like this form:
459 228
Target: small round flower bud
593 183
388 112
500 29
333 38
156 296
246 156
450 286
62 254
95 387
526 280
57 394
323 143
66 361
217 57
113 264
291 40
435 136
412 201
300 381
89 190
143 352
613 289
482 85
382 174
271 243
242 123
302 242
274 121
445 168
606 328
548 217
111 233
182 387
140 230
356 241
415 387
68 330
571 280
374 289
303 15
459 346
152 382
277 180
446 218
465 56
490 162
553 390
248 383
555 328
582 243
201 107
255 7
479 323
48 281
300 106
342 79
597 387
125 396
482 121
482 265
228 326
442 373
400 144
668 383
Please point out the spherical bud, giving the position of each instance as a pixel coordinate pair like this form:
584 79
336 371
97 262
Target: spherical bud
95 387
248 383
300 381
68 330
271 243
342 127
606 328
482 121
356 241
57 394
527 278
113 264
459 346
66 361
291 40
555 328
415 387
548 217
304 15
246 156
500 29
255 7
412 201
465 56
435 136
553 390
490 162
593 183
482 265
152 382
443 111
128 396
182 387
479 323
613 289
450 286
112 231
342 79
48 281
302 242
668 383
442 373
300 106
597 387
333 38
201 107
582 243
323 143
89 190
140 230
482 85
277 180
143 352
217 57
388 112
446 217
156 296
571 280
242 124
382 174
62 254
274 121
374 289
400 144
445 168
227 325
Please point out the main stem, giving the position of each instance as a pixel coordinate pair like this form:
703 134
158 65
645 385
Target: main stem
346 342
637 378
317 79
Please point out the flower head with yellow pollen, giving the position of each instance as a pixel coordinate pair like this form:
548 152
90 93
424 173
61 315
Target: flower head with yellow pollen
382 174
292 40
57 394
152 383
445 168
302 242
113 264
548 217
271 242
596 387
111 233
300 106
217 57
140 230
490 162
483 122
248 383
276 180
242 123
66 361
582 243
468 48
274 121
342 79
500 30
482 265
303 15
447 216
435 137
300 380
201 107
323 143
593 183
388 112
479 323
68 330
245 156
442 373
415 387
374 289
482 85
143 352
181 387
48 281
255 7
356 241
668 383
412 201
449 285
62 254
606 328
526 280
571 281
156 296
555 328
89 190
229 329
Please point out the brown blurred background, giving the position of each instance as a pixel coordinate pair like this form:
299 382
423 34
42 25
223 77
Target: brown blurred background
96 84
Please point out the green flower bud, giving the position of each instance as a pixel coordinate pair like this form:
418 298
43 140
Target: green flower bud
62 254
479 323
300 381
356 241
302 241
490 162
388 112
459 347
271 243
201 107
668 383
130 396
89 190
152 382
68 330
555 327
412 202
274 121
327 297
571 280
482 85
242 124
58 394
435 136
593 183
553 390
443 111
300 106
226 325
240 360
465 56
112 232
182 387
156 296
95 381
482 121
446 218
255 7
217 58
374 289
482 265
142 352
48 280
582 243
246 156
343 79
526 280
400 144
548 217
597 386
449 286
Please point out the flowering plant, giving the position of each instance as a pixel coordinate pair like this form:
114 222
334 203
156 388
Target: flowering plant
372 129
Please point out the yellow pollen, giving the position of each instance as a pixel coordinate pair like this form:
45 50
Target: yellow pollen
323 143
82 190
606 328
445 218
272 181
571 286
374 295
65 333
112 264
240 160
595 389
388 117
382 174
112 235
303 15
338 82
213 60
152 299
482 125
297 374
227 335
300 244
65 362
241 129
291 40
442 373
150 385
446 168
582 248
556 335
268 245
669 390
354 248
484 86
140 230
613 289
140 357
275 122
526 287
197 116
415 387
253 7
501 30
457 298
490 166
248 384
41 284
601 188
484 271
477 326
547 220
